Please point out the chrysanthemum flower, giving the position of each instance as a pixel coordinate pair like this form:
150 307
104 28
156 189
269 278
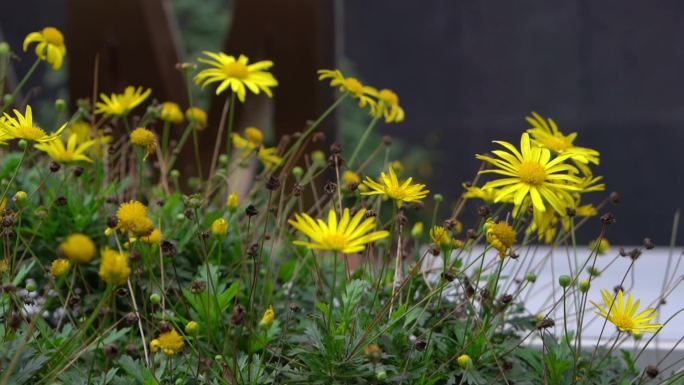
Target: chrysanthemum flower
114 268
501 236
532 173
169 342
219 227
268 318
22 127
349 235
60 267
50 46
197 117
398 191
121 104
545 132
171 112
237 74
440 236
388 106
133 218
78 248
365 94
70 153
142 137
624 315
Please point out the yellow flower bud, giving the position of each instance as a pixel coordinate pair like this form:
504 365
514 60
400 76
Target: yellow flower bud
267 319
465 362
254 135
417 230
233 201
219 227
192 328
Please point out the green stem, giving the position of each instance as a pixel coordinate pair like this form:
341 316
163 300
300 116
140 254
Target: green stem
21 85
359 146
231 118
181 143
332 294
14 175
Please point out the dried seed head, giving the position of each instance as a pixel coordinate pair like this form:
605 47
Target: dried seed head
251 211
570 212
618 289
387 140
273 183
614 197
54 166
110 351
434 250
545 323
371 213
471 233
61 201
484 211
635 254
297 189
330 187
78 171
652 371
238 315
168 249
132 350
648 243
336 148
294 307
131 318
608 218
197 286
421 345
112 221
165 326
253 250
122 292
506 299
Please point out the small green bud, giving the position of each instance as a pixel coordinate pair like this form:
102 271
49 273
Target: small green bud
8 100
297 172
192 328
4 48
417 230
464 361
584 285
593 271
31 286
175 174
223 159
155 298
318 158
23 144
564 280
218 358
60 105
179 381
438 198
381 375
531 277
180 217
20 196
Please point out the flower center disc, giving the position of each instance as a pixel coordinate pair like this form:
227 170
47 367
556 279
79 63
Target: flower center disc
31 133
336 241
623 321
236 70
532 173
354 86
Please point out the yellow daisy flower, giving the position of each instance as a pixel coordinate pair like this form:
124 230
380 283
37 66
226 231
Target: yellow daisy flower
624 315
142 137
389 107
70 153
50 46
440 236
399 191
171 112
267 155
545 133
545 223
532 173
169 342
132 217
60 267
237 74
121 104
114 267
349 235
22 127
352 86
501 236
78 248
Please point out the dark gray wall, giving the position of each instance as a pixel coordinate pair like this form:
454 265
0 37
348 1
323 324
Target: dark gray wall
468 72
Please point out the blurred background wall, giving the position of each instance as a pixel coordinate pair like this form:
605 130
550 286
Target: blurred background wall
468 72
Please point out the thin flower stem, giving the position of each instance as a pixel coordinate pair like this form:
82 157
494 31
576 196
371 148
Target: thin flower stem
21 85
217 145
179 146
363 139
332 294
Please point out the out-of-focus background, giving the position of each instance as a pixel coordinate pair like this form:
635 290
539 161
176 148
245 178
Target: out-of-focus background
466 73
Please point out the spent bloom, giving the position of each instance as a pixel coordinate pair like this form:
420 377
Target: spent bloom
268 318
349 235
114 268
171 113
501 236
399 191
142 137
132 217
236 74
69 153
624 314
22 127
50 47
79 248
121 104
169 342
60 267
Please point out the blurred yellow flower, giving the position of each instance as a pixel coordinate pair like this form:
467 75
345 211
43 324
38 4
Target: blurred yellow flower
60 267
352 86
132 217
22 127
349 235
268 318
390 186
267 155
233 201
350 177
601 246
78 248
81 129
142 137
487 195
114 267
624 315
254 135
237 74
531 173
417 229
121 104
219 227
501 236
197 117
440 236
50 46
388 106
169 342
545 133
70 153
154 238
171 112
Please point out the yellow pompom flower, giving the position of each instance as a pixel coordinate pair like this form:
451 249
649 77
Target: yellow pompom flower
545 133
133 218
391 187
171 112
154 238
60 267
142 137
197 117
254 135
531 173
349 235
353 87
233 201
169 342
114 268
624 315
50 46
219 227
70 153
388 106
22 127
501 236
78 248
440 236
350 177
237 74
121 104
268 318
